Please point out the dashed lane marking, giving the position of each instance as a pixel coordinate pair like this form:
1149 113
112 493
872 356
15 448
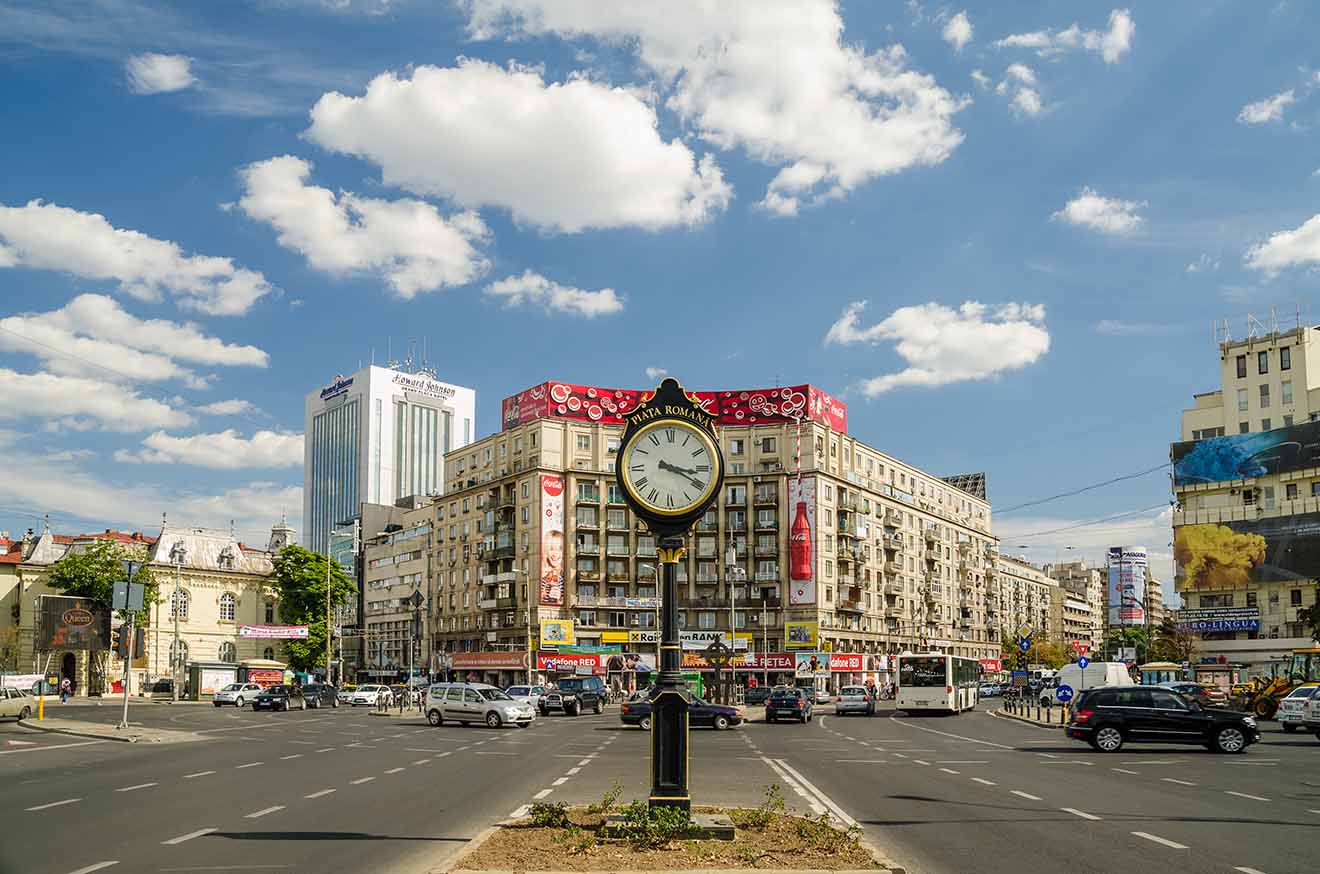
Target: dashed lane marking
319 794
394 770
572 771
860 761
360 780
984 782
584 763
248 765
1083 814
198 774
54 804
1027 795
963 762
950 771
1124 771
1245 795
520 811
1249 871
258 814
138 786
422 762
988 743
1159 840
97 867
543 793
188 837
921 762
326 750
294 756
559 781
1179 782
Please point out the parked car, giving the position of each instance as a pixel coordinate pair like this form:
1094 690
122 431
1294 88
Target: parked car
158 689
789 703
320 695
16 703
1292 709
821 695
573 695
756 696
1208 696
345 694
700 712
1311 716
854 699
1107 718
236 694
990 690
280 697
526 694
465 703
371 694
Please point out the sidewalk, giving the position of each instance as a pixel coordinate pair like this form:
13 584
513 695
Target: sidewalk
1050 717
101 731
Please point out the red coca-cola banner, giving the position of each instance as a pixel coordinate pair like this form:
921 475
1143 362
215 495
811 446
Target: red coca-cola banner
565 400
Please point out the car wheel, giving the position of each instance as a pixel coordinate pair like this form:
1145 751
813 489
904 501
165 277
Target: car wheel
771 719
493 720
24 713
435 718
238 702
645 724
1108 739
721 722
598 708
217 704
1289 727
572 709
1230 740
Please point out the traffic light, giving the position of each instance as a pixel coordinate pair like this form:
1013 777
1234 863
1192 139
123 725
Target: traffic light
139 643
119 641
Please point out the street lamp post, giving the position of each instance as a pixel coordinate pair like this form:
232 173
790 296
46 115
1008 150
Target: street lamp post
177 555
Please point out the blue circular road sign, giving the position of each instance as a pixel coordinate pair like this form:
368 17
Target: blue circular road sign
1024 644
1083 662
1064 693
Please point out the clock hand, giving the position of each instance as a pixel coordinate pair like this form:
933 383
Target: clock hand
664 465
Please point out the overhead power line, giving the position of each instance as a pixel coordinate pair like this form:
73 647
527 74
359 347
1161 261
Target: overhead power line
1077 525
1078 491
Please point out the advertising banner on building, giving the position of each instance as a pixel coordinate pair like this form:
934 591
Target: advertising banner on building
1241 456
629 662
488 661
556 632
552 541
1226 555
807 665
264 677
847 662
699 640
1218 619
570 663
800 635
274 632
641 635
1127 585
751 661
802 540
991 666
73 623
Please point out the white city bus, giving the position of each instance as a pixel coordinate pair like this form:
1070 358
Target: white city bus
937 681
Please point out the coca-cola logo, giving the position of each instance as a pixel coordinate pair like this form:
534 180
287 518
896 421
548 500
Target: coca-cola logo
552 485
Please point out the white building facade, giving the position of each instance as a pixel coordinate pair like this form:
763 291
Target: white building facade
375 436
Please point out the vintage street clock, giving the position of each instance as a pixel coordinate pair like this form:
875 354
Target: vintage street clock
670 467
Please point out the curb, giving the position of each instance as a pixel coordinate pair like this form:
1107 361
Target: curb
1026 719
132 739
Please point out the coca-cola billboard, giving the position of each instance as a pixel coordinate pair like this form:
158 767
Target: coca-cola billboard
802 540
565 400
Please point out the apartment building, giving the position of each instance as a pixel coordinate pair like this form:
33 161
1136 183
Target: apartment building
899 559
1247 484
396 568
1024 596
1077 608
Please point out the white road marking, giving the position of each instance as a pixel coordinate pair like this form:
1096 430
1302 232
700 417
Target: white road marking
258 814
1245 795
1075 812
1179 782
326 750
963 762
572 771
188 837
520 811
422 762
198 774
97 867
360 780
138 786
543 793
921 761
1026 795
1048 755
901 755
950 771
306 743
319 794
441 755
988 743
248 765
858 761
584 763
394 770
54 804
1249 871
1159 840
294 756
560 781
1124 771
985 782
839 813
494 753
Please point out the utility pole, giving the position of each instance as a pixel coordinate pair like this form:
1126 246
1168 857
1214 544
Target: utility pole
177 555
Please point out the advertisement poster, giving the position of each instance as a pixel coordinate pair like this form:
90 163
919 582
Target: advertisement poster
847 662
264 677
630 662
212 680
699 640
775 661
556 632
570 663
1127 585
802 541
991 666
1231 554
73 623
1219 619
809 665
552 541
1240 456
489 661
276 632
800 635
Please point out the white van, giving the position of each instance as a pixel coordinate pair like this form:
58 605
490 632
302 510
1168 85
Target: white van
1096 674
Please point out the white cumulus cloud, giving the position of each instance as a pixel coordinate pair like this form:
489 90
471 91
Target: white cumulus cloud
408 242
79 404
233 407
777 80
84 244
1109 215
1267 110
561 156
1295 248
1020 81
152 73
533 289
656 372
958 31
226 450
942 345
1110 44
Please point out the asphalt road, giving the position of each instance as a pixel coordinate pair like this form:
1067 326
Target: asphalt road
340 790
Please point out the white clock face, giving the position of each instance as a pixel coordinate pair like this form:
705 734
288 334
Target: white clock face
671 467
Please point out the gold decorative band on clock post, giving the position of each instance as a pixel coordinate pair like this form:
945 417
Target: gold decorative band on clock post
669 701
671 554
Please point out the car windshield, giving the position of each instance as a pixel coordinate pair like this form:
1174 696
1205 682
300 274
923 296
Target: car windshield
494 695
853 690
1303 692
518 691
570 685
233 687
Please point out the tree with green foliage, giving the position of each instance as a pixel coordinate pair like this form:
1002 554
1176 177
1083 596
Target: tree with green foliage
1172 644
299 579
1043 651
1130 636
93 572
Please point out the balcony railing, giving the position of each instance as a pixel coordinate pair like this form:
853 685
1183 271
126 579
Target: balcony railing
767 524
767 498
852 606
893 567
735 500
892 542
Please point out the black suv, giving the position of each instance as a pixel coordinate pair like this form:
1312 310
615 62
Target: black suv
1108 717
574 695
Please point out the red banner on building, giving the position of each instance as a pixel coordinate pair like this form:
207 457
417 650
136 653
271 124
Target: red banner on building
991 666
489 661
847 661
569 663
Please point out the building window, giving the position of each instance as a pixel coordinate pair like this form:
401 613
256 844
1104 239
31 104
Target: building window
1243 427
584 442
228 652
1242 400
1265 424
179 605
180 655
1287 421
1225 600
767 444
1251 599
706 620
270 612
228 603
268 654
1290 491
736 446
1242 367
617 619
1285 392
1263 362
1264 396
588 491
1285 358
1295 598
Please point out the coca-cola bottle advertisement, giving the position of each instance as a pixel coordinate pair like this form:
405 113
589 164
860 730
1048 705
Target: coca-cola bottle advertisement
801 540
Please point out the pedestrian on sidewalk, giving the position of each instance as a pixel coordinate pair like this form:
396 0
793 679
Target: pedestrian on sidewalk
65 686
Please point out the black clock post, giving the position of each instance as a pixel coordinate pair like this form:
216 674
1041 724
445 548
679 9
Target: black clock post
670 412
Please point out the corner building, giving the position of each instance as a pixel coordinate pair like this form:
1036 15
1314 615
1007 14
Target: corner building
897 558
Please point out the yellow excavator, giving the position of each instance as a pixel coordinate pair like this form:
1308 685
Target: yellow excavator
1303 669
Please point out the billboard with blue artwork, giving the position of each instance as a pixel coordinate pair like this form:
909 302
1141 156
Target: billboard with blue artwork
1239 456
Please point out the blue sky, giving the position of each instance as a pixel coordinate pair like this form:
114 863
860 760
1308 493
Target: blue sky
208 210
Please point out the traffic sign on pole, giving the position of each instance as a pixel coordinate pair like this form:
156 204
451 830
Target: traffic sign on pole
1025 644
1083 662
1064 693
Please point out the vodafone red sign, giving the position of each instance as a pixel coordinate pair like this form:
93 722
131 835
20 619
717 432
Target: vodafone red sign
991 666
846 661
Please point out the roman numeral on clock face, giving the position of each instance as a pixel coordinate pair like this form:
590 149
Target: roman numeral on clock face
671 434
655 441
641 482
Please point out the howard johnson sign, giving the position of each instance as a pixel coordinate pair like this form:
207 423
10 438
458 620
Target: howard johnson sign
336 388
424 386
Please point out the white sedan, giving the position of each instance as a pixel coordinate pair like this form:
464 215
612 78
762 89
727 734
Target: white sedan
526 694
17 702
1292 709
371 695
236 694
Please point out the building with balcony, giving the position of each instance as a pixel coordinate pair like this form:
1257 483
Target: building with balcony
1078 611
1021 594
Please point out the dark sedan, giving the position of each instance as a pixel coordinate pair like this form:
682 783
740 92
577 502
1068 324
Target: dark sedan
717 716
795 704
279 697
1111 716
320 695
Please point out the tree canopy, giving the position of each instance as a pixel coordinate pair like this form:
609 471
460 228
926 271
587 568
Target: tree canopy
93 572
299 579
